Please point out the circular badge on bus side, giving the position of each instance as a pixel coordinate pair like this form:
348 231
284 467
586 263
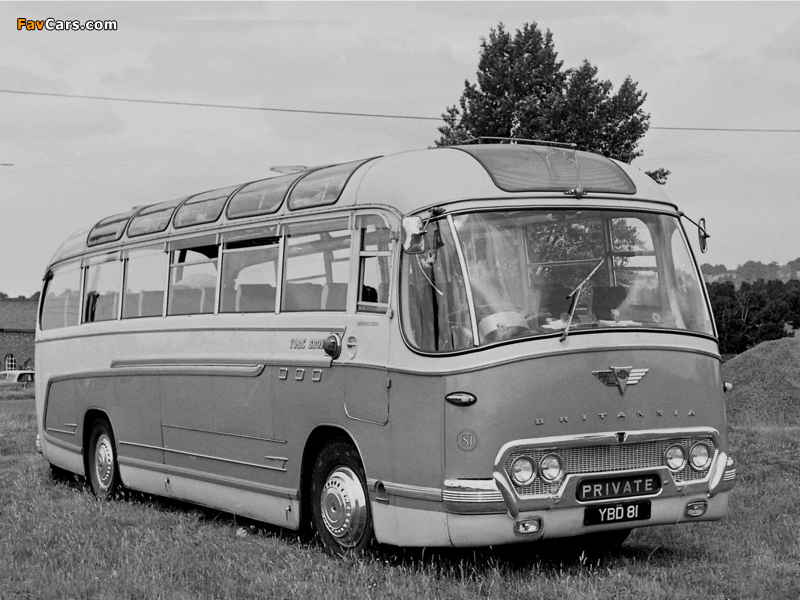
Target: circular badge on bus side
467 440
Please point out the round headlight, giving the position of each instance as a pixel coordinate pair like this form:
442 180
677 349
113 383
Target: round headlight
550 468
700 456
675 457
523 471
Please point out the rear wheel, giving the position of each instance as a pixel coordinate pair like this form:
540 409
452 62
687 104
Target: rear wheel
102 461
340 510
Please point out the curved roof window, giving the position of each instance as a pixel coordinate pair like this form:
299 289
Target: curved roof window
521 168
323 186
153 219
260 197
203 208
109 229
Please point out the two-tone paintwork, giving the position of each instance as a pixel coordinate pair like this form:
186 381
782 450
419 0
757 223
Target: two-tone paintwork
222 409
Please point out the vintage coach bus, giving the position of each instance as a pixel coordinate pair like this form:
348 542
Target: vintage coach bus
474 345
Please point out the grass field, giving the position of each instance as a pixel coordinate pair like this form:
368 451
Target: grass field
57 541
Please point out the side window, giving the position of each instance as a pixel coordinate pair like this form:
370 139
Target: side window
374 264
192 277
317 267
434 304
62 298
688 290
101 288
249 272
145 283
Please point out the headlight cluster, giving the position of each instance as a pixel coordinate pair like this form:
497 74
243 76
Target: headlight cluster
550 468
698 457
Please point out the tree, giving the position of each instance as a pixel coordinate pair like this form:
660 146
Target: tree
754 270
709 269
754 313
523 92
794 265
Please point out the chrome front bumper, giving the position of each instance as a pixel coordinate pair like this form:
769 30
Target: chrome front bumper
560 514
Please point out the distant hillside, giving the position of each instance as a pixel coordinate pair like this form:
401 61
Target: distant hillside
752 271
766 384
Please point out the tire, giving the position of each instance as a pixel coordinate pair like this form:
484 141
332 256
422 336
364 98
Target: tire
101 462
340 511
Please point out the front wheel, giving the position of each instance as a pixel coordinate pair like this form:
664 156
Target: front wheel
102 461
340 510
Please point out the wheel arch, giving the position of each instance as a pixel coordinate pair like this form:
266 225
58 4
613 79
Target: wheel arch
317 440
89 419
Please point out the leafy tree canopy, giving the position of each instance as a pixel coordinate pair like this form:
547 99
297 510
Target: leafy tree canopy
523 92
709 269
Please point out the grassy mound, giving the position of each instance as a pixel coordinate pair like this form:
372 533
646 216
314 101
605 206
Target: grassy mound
766 384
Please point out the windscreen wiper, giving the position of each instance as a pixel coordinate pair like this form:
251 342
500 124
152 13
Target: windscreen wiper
575 295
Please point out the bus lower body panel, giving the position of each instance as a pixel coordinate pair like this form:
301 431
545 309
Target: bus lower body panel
467 530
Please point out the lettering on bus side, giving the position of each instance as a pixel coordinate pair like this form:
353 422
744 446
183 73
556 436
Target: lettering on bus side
306 344
620 415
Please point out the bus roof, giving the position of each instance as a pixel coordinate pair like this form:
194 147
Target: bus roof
407 182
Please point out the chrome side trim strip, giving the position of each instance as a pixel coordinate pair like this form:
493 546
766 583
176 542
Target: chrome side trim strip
54 430
116 332
349 416
272 490
206 456
200 367
413 491
245 367
236 435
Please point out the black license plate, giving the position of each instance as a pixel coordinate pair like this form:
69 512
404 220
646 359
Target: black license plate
618 487
617 513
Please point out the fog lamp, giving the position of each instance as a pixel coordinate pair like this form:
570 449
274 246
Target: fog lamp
550 468
696 509
700 456
675 457
527 525
523 471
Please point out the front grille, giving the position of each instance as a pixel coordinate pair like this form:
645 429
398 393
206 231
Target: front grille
601 459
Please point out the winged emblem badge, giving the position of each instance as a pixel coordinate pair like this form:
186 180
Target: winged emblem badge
621 377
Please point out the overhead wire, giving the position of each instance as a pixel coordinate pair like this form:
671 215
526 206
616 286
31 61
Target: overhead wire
345 113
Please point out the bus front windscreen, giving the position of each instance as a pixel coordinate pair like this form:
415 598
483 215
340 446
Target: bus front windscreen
487 277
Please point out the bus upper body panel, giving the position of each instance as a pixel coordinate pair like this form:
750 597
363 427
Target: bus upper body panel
407 182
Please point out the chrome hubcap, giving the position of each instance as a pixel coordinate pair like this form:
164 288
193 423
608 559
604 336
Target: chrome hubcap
104 461
344 507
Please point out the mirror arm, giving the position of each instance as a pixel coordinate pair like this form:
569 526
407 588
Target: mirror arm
435 212
699 227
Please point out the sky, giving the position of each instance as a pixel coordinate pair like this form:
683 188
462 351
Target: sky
66 163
